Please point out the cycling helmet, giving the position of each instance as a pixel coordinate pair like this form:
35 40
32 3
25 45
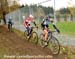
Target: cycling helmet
51 16
31 16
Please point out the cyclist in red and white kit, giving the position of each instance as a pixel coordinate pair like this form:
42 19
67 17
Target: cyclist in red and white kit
28 23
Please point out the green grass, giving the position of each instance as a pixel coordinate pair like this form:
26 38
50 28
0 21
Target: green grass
66 27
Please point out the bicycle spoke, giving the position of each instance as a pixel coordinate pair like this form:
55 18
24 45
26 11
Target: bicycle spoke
34 37
42 42
25 35
54 45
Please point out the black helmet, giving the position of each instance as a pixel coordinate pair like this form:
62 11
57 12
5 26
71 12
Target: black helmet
51 15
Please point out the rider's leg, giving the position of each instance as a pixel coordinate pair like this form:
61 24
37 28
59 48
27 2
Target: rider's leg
8 27
27 31
11 27
30 31
46 34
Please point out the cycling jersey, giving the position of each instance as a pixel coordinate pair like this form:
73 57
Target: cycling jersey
9 21
46 22
27 21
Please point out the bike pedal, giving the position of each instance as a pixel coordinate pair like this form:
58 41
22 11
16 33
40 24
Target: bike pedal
46 43
44 46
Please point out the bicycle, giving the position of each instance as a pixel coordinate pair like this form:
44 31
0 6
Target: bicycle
10 27
52 43
33 36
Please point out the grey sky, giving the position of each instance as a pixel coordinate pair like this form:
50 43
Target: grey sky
59 3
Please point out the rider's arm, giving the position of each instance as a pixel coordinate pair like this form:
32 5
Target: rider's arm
56 28
25 23
34 23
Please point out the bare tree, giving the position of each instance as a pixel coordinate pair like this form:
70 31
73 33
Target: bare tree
3 7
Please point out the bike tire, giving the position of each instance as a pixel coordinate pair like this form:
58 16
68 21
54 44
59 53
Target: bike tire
42 42
34 37
25 35
54 45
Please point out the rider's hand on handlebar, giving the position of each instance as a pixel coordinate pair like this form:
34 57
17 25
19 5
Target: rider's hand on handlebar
37 27
58 30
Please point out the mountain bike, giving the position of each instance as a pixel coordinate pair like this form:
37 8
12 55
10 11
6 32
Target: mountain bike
33 36
52 43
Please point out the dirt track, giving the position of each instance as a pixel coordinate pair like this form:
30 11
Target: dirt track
12 44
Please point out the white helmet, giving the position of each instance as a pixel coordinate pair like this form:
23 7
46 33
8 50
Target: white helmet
31 16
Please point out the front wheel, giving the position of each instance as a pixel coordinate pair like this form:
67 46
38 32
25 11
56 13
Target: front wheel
54 46
34 37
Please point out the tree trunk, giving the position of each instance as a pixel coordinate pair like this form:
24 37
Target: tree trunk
4 17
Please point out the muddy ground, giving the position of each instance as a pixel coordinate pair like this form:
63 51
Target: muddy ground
13 46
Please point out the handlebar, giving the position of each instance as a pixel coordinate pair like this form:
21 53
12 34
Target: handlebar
34 27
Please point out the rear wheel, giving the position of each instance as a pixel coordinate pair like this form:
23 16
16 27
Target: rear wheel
54 46
25 34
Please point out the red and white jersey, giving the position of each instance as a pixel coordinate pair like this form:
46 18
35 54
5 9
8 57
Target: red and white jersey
27 21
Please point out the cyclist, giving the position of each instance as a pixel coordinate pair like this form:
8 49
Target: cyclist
45 25
10 23
28 24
